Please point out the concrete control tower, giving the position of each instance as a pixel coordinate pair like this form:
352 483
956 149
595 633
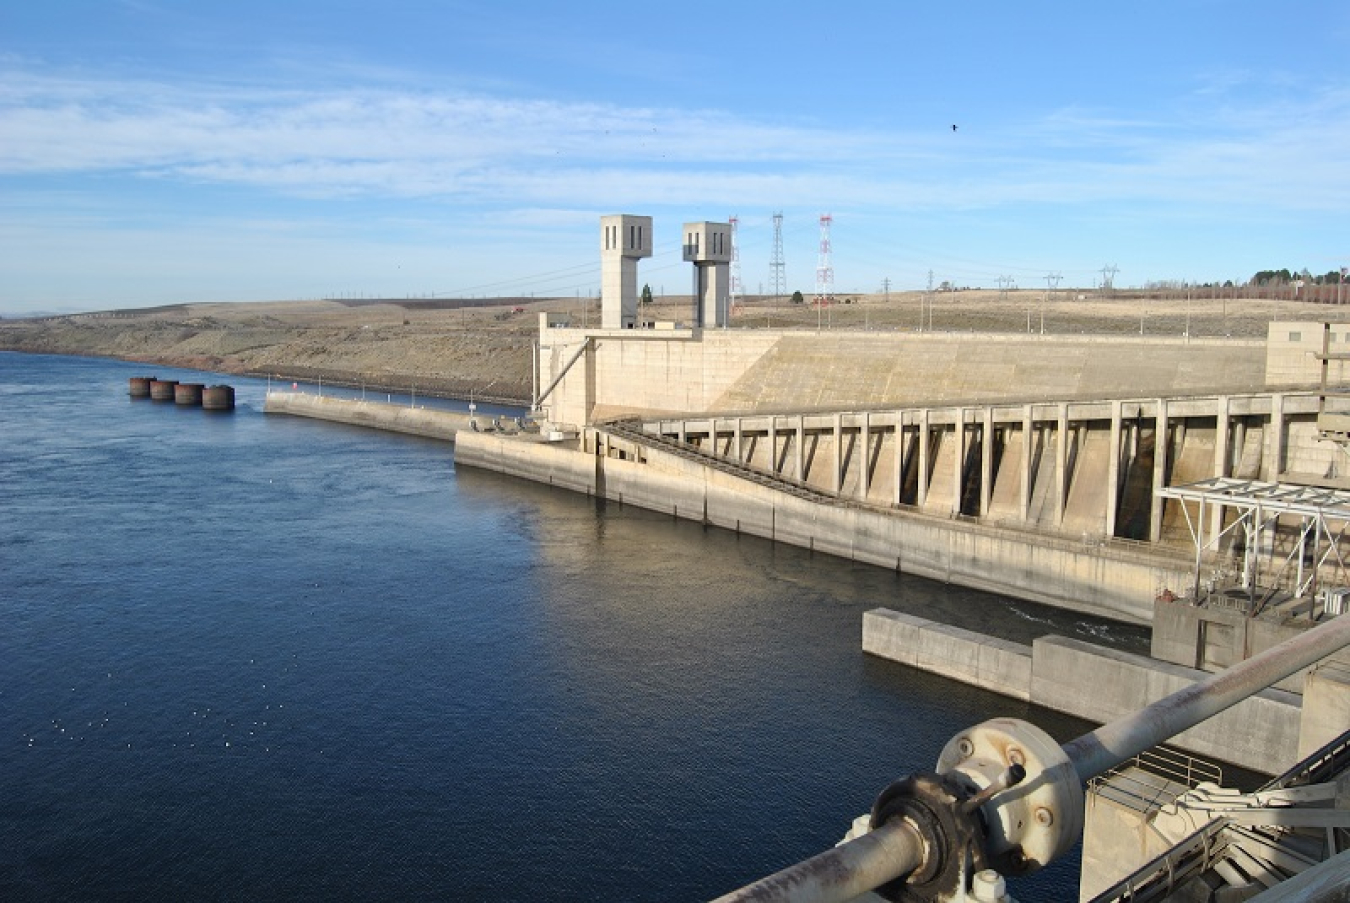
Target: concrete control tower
624 240
708 247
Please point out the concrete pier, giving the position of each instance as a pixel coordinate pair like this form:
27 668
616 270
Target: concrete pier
428 422
1268 732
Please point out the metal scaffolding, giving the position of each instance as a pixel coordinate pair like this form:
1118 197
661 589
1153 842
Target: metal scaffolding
1323 516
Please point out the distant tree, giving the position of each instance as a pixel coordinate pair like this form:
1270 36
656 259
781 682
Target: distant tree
646 294
797 298
1331 278
1269 276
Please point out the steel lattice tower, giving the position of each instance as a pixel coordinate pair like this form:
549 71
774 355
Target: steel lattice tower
777 274
825 268
736 289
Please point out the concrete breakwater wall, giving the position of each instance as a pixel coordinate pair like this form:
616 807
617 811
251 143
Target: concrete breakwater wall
1116 583
1267 732
431 423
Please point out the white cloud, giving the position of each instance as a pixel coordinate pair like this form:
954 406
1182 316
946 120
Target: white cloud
460 171
478 148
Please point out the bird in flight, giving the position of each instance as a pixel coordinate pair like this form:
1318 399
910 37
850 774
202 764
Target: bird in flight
953 127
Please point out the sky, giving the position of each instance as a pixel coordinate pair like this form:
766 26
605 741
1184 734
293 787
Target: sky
156 152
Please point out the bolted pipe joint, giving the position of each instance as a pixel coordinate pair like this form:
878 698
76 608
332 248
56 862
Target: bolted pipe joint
952 836
1024 789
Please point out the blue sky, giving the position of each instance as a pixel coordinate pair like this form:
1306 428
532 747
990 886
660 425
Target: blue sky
154 152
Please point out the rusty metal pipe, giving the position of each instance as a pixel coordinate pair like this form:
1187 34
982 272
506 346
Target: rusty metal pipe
1111 744
840 874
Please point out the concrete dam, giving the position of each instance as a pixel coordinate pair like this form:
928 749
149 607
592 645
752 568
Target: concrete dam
1027 465
1197 486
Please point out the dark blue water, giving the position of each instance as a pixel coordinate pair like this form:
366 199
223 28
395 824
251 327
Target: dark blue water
254 657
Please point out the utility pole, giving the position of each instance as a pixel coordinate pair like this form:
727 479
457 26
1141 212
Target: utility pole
929 295
1051 284
886 289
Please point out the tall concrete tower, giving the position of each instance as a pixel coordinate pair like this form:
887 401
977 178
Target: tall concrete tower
708 247
624 240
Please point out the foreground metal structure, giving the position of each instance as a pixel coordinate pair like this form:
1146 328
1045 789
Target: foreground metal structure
1323 515
1006 796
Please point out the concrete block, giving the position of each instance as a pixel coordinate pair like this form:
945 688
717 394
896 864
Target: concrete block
892 635
1260 733
1326 707
1005 667
953 652
1175 632
429 422
1118 832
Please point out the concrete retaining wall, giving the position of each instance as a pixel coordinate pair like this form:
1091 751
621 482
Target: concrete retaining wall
973 658
431 423
1261 733
1115 583
1326 706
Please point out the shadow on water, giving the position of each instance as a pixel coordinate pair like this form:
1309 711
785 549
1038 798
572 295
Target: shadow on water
801 572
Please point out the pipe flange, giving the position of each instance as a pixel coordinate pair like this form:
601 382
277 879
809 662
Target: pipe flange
932 803
1034 822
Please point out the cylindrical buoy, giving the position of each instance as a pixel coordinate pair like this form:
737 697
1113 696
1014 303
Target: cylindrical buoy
140 386
162 389
188 393
218 398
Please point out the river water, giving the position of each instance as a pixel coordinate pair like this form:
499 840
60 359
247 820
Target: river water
250 657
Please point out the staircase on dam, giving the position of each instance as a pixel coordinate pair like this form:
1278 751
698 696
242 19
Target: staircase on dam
631 429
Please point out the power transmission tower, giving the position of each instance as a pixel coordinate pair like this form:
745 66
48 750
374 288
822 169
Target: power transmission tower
1108 278
1005 283
736 290
777 273
825 267
886 288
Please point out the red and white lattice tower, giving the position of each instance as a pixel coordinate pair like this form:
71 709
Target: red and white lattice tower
825 269
735 266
